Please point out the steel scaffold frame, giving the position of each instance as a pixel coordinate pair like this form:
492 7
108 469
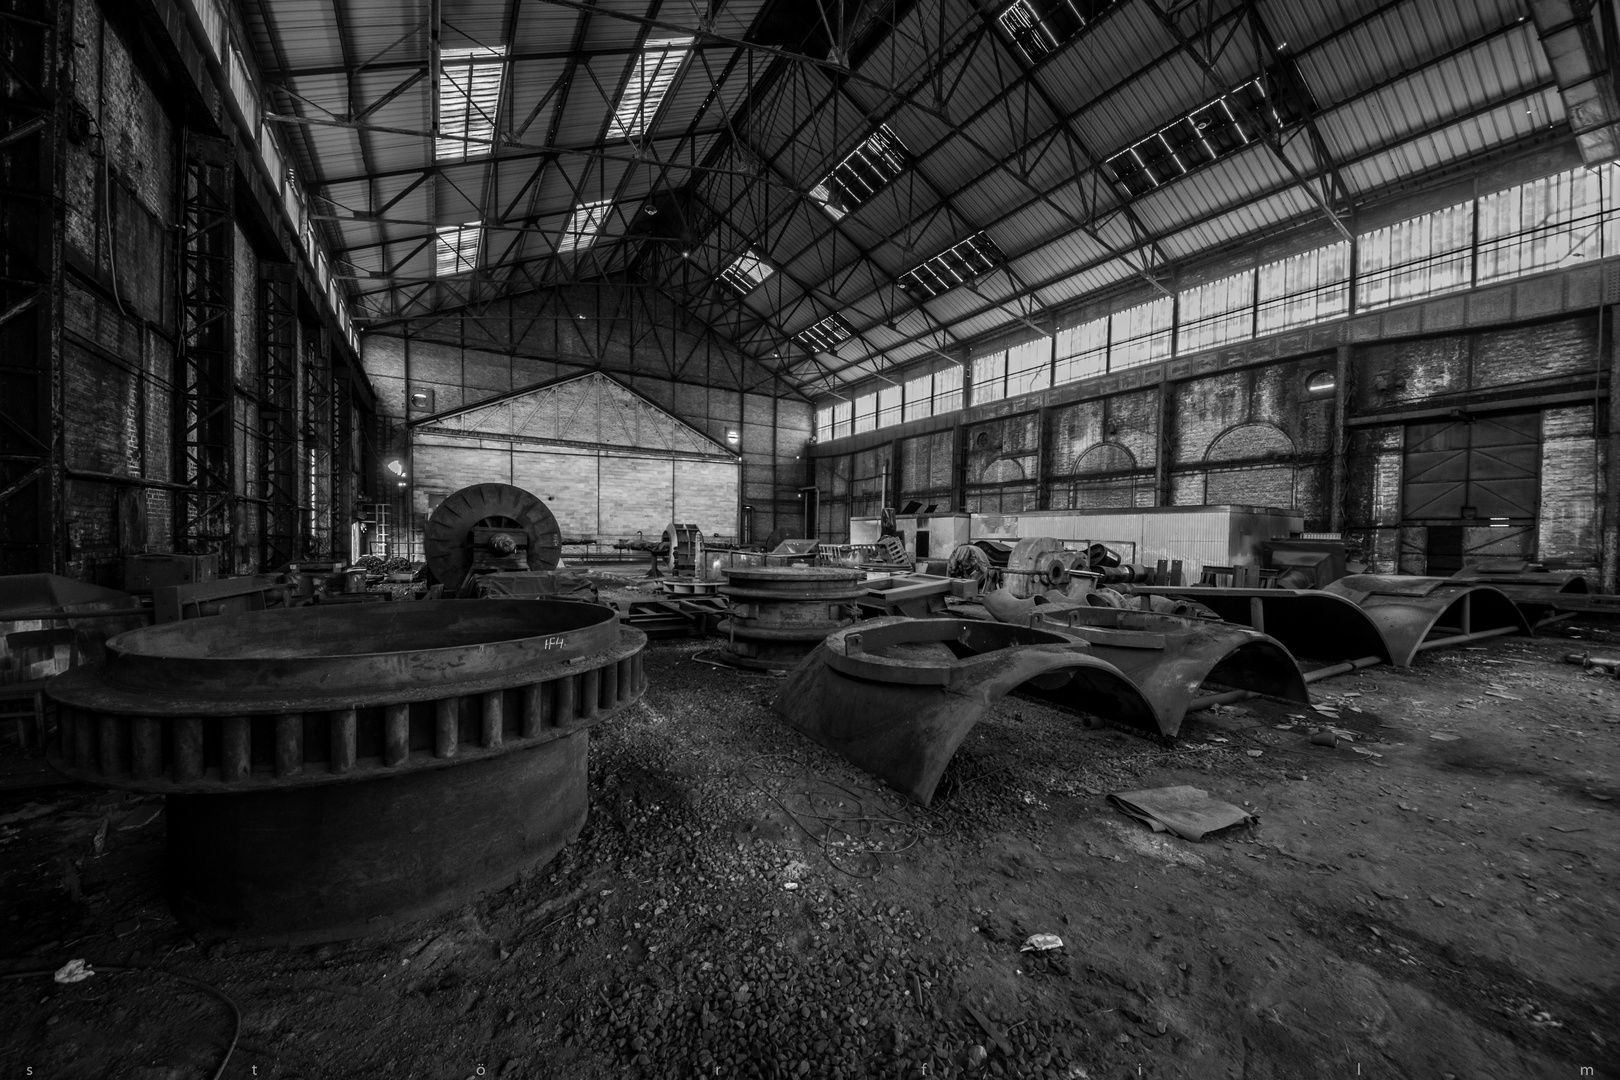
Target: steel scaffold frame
204 447
30 331
278 416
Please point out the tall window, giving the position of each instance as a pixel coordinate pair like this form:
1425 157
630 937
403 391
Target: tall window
1029 367
824 423
1305 288
1082 351
888 406
1141 334
989 377
1217 312
947 389
843 413
919 397
865 413
1543 225
1425 256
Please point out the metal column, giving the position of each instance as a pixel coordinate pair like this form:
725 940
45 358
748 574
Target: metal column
278 416
30 464
317 442
204 446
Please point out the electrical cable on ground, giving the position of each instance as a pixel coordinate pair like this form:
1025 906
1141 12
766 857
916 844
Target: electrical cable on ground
236 1013
699 657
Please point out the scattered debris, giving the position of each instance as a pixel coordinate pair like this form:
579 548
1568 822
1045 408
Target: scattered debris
990 1029
1188 812
73 971
1041 943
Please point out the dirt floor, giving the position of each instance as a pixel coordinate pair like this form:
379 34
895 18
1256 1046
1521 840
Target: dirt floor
1435 899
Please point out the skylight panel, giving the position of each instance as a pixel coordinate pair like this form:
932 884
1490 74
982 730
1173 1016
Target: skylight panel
1040 27
583 225
469 97
1232 121
864 172
954 266
746 272
825 335
1024 27
655 69
456 248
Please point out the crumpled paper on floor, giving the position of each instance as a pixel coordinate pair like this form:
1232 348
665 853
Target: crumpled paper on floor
1187 812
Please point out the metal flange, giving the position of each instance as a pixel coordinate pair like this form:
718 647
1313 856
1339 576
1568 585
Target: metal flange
258 701
329 767
780 613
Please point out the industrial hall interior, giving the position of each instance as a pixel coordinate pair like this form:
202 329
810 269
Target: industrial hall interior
800 539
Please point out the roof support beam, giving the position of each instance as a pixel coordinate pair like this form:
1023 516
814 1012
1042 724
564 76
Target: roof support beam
1279 189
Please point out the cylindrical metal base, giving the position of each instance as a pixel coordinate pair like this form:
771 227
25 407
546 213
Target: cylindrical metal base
335 861
779 614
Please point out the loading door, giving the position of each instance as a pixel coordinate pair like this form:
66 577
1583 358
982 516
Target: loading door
1464 477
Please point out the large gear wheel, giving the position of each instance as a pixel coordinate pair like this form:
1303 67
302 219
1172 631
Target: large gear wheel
1036 564
448 537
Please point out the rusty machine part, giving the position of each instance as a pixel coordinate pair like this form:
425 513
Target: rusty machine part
915 595
969 561
780 613
897 696
681 553
1415 614
1392 618
1035 564
327 767
489 528
1540 593
1609 665
1172 657
1312 623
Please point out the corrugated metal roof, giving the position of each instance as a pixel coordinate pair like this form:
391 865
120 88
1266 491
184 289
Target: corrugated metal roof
1403 90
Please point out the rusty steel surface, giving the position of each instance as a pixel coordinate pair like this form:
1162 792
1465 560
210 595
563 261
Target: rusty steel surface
897 696
1541 594
1415 614
778 614
1393 617
1171 657
1312 623
503 521
390 759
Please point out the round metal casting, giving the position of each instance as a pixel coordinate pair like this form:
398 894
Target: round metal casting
447 541
779 614
390 759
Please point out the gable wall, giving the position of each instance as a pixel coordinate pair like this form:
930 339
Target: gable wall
773 434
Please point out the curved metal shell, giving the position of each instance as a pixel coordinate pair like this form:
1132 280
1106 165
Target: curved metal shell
1321 625
897 696
1536 592
1418 613
446 540
1170 657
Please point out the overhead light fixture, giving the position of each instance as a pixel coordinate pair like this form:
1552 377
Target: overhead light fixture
397 467
733 437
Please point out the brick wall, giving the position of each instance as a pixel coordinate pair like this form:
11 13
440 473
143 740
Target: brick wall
772 431
1572 475
121 320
